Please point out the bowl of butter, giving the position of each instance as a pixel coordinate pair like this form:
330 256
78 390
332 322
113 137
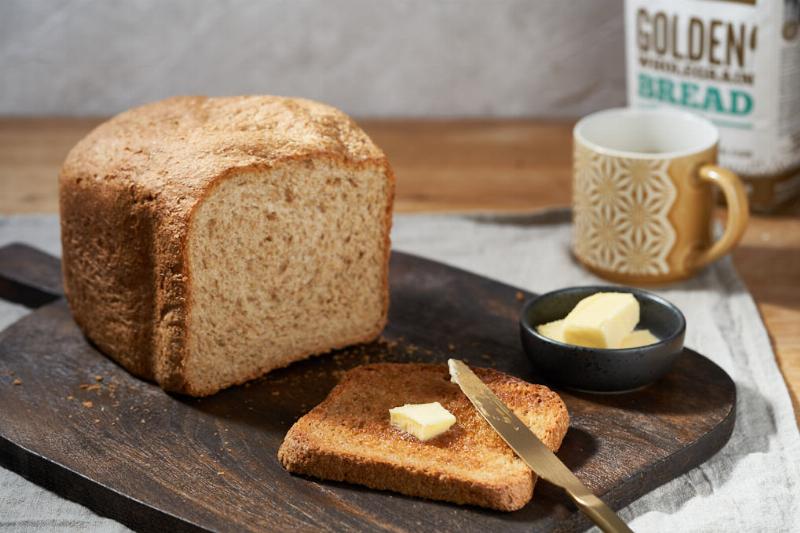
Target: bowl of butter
602 338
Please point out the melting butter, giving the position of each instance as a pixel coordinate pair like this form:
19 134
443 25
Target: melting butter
423 420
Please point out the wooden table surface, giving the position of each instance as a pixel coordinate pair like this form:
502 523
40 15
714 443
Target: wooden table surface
498 165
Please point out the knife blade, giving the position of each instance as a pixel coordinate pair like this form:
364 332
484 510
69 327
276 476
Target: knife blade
530 449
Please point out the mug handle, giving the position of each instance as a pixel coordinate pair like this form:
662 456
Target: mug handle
738 212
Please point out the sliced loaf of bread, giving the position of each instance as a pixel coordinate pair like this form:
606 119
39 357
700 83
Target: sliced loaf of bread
207 241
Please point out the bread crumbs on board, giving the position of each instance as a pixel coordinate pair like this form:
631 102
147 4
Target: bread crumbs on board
87 404
16 381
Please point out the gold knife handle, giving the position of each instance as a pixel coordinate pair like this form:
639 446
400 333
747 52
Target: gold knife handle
600 513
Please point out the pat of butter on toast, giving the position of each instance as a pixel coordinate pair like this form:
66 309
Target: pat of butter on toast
425 420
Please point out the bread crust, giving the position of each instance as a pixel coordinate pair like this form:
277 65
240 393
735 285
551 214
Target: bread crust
345 439
128 192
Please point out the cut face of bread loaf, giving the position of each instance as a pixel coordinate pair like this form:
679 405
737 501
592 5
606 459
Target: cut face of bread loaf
284 263
207 241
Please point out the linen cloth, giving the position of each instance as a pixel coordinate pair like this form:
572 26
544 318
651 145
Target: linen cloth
752 484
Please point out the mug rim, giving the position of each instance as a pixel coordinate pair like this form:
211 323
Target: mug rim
578 136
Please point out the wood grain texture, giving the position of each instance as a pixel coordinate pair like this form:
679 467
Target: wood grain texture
458 165
75 422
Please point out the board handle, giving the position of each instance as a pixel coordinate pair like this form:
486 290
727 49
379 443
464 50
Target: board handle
29 276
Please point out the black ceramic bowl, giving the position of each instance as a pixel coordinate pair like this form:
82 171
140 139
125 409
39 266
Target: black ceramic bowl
600 369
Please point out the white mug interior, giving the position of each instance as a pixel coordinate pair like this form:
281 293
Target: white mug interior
646 133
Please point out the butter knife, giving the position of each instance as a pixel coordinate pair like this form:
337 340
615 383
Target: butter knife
530 449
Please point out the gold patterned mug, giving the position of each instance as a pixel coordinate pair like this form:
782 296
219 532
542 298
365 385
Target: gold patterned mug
643 195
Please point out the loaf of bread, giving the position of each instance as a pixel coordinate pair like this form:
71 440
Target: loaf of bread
348 437
207 241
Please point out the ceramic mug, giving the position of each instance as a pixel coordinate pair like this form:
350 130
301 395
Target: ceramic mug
644 194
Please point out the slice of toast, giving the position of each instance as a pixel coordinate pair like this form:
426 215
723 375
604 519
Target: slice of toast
348 436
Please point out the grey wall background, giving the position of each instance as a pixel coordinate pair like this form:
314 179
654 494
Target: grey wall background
368 57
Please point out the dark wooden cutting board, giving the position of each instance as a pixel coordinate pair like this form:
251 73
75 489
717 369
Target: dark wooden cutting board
76 423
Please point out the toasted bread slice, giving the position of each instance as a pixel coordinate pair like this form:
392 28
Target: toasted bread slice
348 436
